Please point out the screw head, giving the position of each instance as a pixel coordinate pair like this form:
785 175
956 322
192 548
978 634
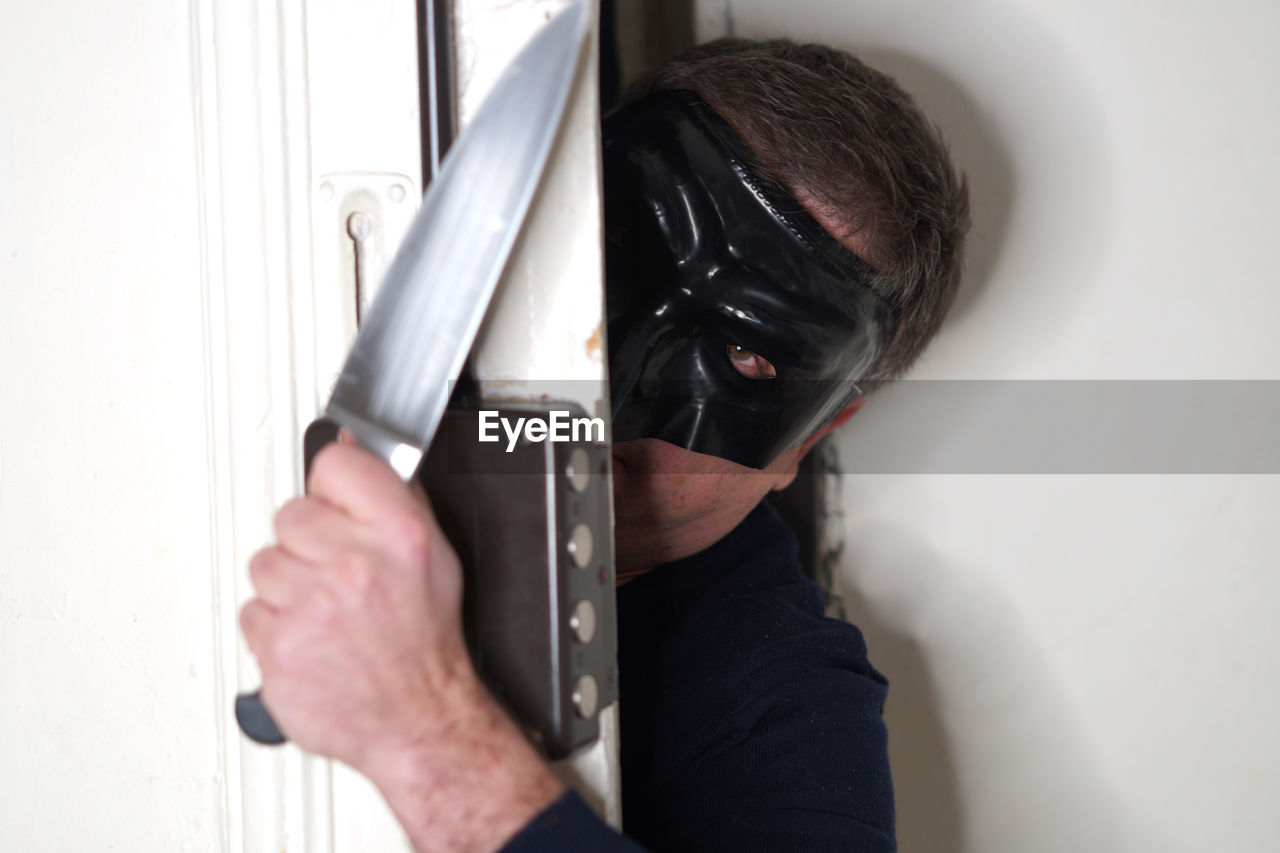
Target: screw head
582 621
359 225
580 546
586 695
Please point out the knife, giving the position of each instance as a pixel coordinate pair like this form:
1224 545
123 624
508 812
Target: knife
395 384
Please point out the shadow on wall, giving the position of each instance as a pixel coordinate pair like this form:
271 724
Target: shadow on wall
1036 146
1025 120
971 698
976 148
985 753
927 787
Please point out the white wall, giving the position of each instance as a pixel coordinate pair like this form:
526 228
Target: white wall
163 336
1080 662
103 469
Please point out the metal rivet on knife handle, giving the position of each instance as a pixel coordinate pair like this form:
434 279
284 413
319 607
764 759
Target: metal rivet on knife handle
255 721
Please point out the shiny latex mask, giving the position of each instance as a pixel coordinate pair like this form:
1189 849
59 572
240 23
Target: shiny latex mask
737 325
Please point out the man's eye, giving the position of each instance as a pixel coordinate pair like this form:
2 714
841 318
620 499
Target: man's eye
749 364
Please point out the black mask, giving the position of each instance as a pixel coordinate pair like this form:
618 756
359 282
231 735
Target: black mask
708 262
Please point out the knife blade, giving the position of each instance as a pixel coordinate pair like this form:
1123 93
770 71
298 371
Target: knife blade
394 386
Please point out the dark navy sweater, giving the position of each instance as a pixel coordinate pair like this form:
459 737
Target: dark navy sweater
750 722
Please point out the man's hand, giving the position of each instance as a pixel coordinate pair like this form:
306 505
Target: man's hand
358 632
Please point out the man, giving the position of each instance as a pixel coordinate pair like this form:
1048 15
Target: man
784 233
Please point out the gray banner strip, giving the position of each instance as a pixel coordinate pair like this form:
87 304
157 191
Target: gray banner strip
1067 427
1047 426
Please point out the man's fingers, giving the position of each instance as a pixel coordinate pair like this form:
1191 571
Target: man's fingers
372 495
255 620
313 529
280 579
357 482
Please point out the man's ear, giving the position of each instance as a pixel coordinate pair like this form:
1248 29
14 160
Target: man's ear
787 475
835 423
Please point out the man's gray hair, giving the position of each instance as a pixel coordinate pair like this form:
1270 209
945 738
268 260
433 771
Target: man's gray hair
847 138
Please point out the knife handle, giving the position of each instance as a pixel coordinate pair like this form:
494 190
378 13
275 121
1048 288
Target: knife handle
254 718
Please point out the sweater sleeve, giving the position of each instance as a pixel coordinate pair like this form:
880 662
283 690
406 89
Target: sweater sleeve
569 824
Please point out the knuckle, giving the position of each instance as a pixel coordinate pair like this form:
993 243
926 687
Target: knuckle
264 639
260 566
292 516
249 624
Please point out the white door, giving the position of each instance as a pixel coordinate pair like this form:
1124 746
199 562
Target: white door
178 298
